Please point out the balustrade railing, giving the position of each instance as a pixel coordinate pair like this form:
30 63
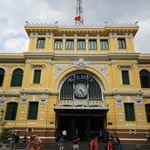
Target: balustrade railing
86 103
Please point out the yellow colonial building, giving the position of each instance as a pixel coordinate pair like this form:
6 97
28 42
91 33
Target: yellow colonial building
88 78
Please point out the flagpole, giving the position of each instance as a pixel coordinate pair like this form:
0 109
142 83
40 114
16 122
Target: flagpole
79 13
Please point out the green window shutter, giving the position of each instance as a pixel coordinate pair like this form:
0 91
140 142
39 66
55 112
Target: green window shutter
37 76
11 111
145 79
129 112
147 108
66 91
2 73
17 78
125 77
33 110
95 91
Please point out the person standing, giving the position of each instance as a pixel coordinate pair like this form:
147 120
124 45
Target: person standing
120 147
16 140
94 144
109 145
25 139
77 132
61 143
115 144
100 136
107 135
37 141
75 143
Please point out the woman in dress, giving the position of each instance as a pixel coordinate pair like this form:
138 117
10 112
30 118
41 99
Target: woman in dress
38 145
94 144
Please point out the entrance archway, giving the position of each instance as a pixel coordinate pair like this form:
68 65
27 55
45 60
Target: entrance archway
81 106
88 123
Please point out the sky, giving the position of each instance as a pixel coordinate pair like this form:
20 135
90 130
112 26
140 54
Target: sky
14 13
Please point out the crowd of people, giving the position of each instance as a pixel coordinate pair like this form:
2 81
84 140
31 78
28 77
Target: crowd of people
34 139
112 143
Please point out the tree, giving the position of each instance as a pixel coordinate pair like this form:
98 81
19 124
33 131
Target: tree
6 136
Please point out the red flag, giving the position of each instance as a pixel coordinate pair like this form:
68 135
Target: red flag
77 18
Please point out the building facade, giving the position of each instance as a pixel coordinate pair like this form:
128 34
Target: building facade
88 78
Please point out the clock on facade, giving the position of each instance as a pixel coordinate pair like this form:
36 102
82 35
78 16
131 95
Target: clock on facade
80 90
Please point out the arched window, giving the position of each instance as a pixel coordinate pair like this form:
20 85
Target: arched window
11 111
80 86
17 78
147 109
2 73
145 79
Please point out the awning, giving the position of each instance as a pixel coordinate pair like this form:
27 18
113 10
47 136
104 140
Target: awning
97 111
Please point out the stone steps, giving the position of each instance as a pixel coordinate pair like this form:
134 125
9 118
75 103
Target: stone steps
85 146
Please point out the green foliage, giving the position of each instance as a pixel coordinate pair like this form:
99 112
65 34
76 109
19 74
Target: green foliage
6 136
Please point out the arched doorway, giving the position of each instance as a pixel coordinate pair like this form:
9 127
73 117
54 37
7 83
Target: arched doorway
81 106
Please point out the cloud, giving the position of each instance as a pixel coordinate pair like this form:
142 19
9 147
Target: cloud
142 38
45 14
16 45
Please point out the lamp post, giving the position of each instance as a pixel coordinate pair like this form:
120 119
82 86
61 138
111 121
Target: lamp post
1 121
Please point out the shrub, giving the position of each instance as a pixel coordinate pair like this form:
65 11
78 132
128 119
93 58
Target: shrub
6 136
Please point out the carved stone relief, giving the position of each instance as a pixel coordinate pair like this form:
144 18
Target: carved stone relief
81 64
2 101
119 101
59 68
138 101
103 69
24 100
43 101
